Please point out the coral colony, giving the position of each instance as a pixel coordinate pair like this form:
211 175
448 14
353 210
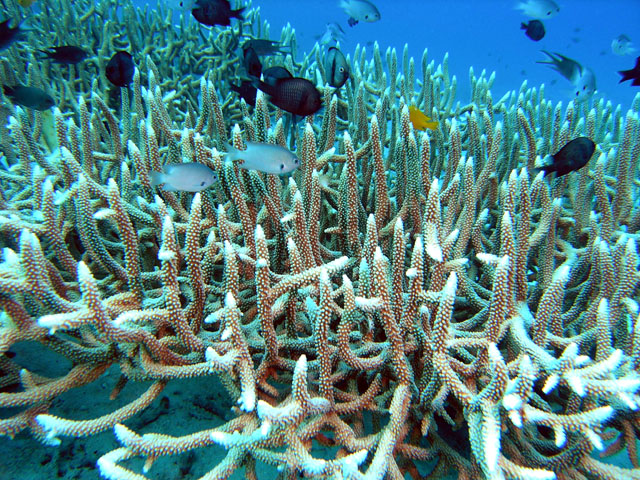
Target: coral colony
407 298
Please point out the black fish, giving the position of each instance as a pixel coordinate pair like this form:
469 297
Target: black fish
251 62
246 90
216 12
573 156
120 69
29 97
337 68
294 95
68 54
272 74
633 74
263 46
9 35
534 30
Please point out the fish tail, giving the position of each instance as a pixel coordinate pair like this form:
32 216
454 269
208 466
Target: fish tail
238 13
231 152
157 178
7 90
523 26
431 124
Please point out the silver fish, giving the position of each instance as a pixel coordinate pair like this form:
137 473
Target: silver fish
621 45
360 11
582 78
264 157
540 9
184 177
333 33
336 68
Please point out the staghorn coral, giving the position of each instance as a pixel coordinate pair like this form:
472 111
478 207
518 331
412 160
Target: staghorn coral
407 299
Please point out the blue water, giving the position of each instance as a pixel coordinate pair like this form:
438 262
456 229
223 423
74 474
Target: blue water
480 34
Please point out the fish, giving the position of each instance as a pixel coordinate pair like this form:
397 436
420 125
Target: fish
184 177
571 157
621 45
534 30
29 97
120 69
294 95
539 9
9 35
67 54
272 74
420 121
336 68
582 78
264 157
215 12
264 46
246 90
333 33
360 10
633 74
252 62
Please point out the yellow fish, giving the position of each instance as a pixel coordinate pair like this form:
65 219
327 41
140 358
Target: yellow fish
26 3
420 121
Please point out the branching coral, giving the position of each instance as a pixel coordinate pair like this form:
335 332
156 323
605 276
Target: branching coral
407 299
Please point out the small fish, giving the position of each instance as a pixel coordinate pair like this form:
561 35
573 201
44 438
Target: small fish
539 9
67 54
360 10
333 33
336 68
264 46
272 74
215 12
9 35
621 45
264 157
420 121
246 90
29 97
633 74
252 62
582 78
184 177
294 95
120 69
534 30
573 156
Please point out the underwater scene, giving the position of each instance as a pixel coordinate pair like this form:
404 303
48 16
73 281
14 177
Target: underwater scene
342 239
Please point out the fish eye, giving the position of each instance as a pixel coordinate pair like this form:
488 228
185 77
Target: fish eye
296 161
202 184
584 88
549 12
282 166
366 17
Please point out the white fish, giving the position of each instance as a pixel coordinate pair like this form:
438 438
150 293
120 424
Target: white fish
264 157
360 10
540 9
184 177
333 33
582 78
621 45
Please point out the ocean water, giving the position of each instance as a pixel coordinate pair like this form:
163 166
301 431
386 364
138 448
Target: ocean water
483 35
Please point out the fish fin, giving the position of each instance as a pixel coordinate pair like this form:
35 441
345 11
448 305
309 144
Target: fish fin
524 26
169 188
8 91
238 13
352 21
157 178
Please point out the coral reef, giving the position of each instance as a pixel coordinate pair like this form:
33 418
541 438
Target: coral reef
407 299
